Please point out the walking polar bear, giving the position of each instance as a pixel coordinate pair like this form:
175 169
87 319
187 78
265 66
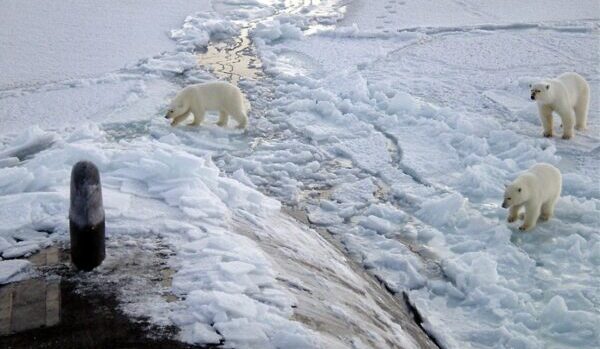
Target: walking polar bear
569 96
217 95
537 190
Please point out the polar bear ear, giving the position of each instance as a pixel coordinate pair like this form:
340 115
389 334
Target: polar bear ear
547 87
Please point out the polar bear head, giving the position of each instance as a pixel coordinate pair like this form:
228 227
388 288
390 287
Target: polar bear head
541 92
515 193
178 106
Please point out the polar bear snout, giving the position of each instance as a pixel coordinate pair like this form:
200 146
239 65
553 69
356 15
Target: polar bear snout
535 93
539 92
505 204
170 113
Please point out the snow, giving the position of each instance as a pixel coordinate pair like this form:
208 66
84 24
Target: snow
226 282
270 31
27 143
221 270
416 14
438 212
440 155
14 270
199 29
392 127
101 38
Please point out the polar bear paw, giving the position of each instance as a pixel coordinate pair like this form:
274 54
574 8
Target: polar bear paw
525 227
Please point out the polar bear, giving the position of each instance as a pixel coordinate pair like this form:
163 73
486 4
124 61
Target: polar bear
216 95
537 190
569 96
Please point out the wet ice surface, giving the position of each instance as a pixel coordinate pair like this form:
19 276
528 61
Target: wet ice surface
389 140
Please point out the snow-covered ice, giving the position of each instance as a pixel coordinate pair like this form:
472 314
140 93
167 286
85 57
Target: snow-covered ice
14 270
225 280
387 128
71 40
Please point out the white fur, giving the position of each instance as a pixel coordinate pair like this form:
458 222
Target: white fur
537 190
219 96
569 96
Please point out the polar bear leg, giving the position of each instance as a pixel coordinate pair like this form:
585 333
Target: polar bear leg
513 213
546 117
223 118
568 120
198 116
177 120
532 213
581 109
547 210
241 118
